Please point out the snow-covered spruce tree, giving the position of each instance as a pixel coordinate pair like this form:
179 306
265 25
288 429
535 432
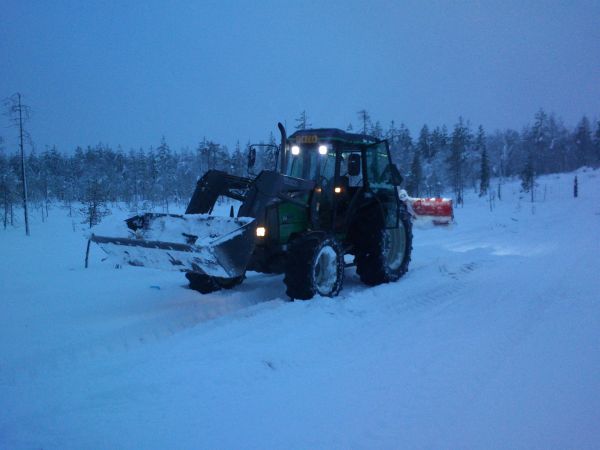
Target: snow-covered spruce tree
597 144
238 160
537 141
511 155
391 133
165 170
9 182
461 138
376 130
402 150
584 146
439 141
484 167
562 158
213 156
424 143
528 176
472 159
435 187
94 203
423 148
434 168
270 153
415 177
484 183
186 175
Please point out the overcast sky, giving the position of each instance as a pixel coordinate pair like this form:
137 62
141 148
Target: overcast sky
130 72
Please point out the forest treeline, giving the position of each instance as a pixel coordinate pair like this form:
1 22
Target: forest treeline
437 160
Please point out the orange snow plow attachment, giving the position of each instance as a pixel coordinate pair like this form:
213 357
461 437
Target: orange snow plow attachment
429 211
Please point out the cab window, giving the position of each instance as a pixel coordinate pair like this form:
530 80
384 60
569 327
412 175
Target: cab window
378 167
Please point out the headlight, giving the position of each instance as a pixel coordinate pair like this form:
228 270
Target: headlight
261 231
295 150
323 149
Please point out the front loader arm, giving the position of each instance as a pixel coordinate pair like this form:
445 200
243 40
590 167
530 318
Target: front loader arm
214 184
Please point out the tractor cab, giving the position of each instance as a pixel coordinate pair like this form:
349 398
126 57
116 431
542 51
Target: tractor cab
347 170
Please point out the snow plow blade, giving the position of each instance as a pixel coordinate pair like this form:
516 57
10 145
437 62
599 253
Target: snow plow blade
429 211
215 246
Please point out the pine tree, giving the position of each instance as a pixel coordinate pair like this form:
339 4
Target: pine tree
402 150
365 119
18 113
270 153
597 143
238 161
165 170
584 147
94 205
539 142
461 138
392 133
484 184
438 141
528 175
8 186
434 185
415 179
424 143
484 170
302 121
376 130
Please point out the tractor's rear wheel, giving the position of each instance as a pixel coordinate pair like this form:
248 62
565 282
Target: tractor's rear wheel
382 254
314 266
206 284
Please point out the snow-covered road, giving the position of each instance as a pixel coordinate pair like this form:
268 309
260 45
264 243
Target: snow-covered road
492 340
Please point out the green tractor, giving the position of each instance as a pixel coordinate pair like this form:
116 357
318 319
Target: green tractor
330 194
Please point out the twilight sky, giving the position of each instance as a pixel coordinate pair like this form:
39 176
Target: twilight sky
130 72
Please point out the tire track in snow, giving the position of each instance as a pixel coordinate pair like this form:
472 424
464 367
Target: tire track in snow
430 300
145 331
522 316
262 290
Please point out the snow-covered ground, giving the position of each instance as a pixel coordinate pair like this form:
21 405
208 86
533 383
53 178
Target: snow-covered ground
492 340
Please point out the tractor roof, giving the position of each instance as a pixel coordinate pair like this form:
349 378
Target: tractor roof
335 134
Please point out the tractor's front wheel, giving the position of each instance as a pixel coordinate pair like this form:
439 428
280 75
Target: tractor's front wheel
382 254
314 266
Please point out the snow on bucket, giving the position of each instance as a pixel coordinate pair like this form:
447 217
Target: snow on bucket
216 246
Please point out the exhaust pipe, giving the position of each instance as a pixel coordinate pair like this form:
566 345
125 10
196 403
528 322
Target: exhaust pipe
282 153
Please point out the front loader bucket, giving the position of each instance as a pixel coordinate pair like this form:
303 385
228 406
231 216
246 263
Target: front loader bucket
215 246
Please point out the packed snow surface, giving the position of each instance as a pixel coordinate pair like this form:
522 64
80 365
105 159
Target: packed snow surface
491 340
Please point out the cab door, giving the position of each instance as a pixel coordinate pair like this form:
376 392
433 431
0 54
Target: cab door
380 180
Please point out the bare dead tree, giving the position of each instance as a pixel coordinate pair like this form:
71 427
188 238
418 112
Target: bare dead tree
18 114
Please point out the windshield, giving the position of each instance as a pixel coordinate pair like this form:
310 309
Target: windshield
303 164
